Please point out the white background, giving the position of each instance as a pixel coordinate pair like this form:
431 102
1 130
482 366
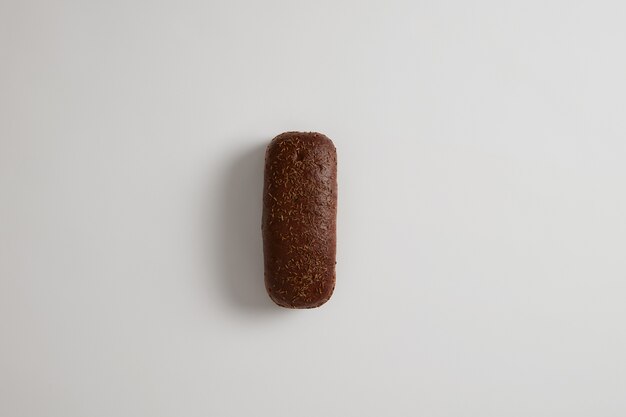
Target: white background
482 204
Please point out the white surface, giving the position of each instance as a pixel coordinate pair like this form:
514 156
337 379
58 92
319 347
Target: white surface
482 208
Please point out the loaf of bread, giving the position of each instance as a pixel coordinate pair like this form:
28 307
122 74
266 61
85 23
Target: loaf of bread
299 219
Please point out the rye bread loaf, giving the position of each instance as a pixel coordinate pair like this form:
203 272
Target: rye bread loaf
299 219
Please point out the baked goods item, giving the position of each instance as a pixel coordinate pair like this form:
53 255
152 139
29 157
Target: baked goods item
299 219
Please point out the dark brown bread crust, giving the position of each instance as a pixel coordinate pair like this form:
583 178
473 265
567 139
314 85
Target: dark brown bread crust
299 219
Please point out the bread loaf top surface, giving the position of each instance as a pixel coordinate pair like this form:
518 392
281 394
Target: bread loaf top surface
299 219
